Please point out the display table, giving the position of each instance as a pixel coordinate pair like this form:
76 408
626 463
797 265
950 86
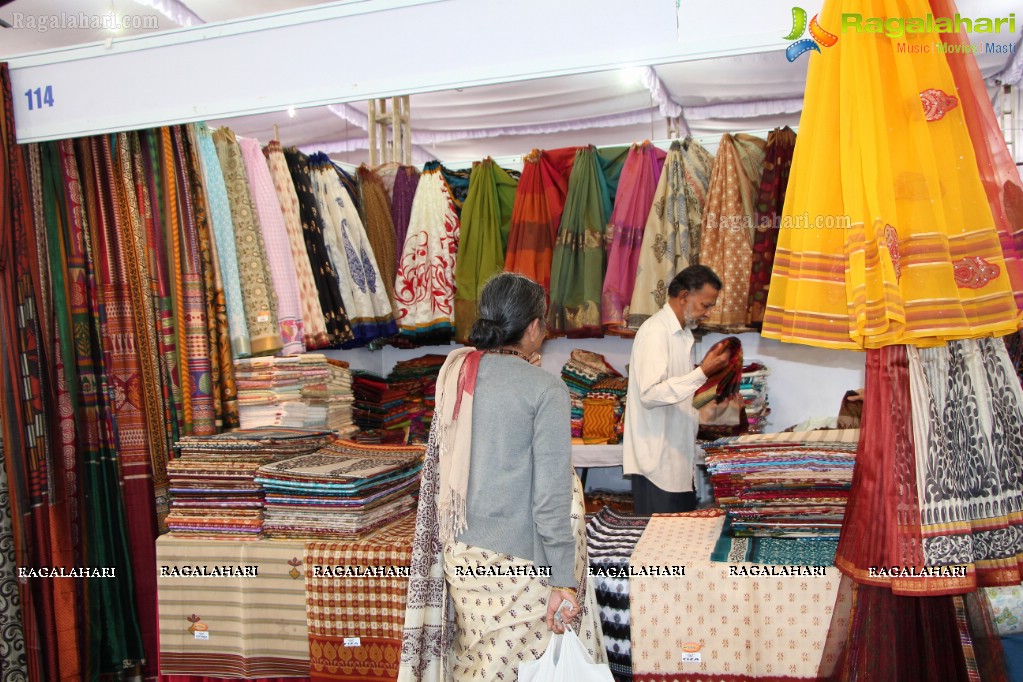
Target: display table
708 625
277 614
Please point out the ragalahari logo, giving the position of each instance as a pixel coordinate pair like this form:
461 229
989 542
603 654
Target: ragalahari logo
818 36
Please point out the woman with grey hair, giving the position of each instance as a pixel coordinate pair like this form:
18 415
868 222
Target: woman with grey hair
500 541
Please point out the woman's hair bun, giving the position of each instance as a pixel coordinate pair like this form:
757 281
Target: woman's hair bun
486 333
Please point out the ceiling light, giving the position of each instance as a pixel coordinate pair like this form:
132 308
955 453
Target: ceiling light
632 75
292 113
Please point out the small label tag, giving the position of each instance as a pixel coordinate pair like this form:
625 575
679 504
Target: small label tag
201 634
263 317
692 657
353 641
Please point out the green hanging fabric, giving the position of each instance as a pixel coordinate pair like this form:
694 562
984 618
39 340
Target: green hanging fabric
577 271
483 240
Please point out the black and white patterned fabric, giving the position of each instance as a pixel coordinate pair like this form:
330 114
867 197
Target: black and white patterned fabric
610 539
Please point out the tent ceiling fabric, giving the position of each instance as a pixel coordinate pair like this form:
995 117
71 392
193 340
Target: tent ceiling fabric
748 92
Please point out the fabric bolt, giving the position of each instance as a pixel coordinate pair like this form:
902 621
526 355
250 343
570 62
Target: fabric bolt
403 194
223 230
376 207
578 264
225 398
253 269
671 238
365 298
624 233
313 326
370 608
331 304
781 142
425 286
728 229
483 238
901 245
762 626
536 213
283 272
725 382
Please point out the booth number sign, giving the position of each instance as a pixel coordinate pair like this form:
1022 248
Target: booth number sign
40 97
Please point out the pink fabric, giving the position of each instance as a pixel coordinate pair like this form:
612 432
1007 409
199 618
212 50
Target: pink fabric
624 233
278 249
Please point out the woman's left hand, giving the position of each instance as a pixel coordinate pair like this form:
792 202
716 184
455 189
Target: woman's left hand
554 602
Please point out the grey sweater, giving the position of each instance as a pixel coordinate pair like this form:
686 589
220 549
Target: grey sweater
519 500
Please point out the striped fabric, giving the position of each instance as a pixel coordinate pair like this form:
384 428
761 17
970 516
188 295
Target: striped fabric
256 626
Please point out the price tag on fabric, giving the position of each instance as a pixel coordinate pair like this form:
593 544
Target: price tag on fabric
263 317
202 634
692 657
353 641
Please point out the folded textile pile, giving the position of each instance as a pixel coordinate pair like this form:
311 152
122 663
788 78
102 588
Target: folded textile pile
299 391
344 491
583 372
784 484
402 402
610 539
213 491
753 389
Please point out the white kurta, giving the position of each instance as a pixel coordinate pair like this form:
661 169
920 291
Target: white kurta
660 420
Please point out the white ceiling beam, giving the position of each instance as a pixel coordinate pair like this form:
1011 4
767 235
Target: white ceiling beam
321 55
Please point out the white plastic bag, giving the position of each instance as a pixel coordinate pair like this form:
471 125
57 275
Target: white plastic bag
565 660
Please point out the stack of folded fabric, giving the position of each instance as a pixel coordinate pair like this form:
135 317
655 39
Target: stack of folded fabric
345 490
300 391
784 485
419 378
753 390
379 404
583 371
610 539
603 411
213 491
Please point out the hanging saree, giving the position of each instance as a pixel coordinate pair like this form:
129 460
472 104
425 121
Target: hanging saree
457 182
256 282
536 214
406 181
777 162
938 480
223 388
334 316
726 245
313 326
671 239
998 171
278 250
483 238
577 268
141 455
624 233
376 207
223 230
365 299
111 601
893 238
425 286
